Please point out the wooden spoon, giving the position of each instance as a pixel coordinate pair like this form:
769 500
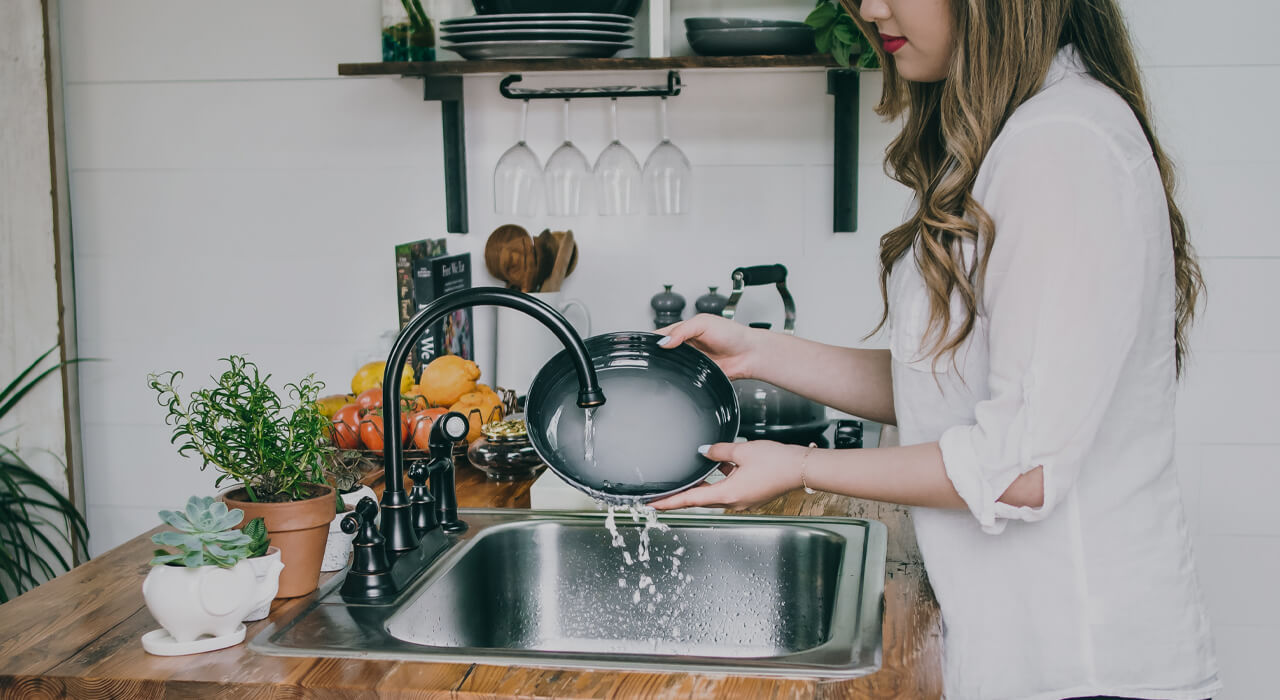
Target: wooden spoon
504 254
561 267
546 247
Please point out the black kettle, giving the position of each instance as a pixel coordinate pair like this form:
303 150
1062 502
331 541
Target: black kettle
769 412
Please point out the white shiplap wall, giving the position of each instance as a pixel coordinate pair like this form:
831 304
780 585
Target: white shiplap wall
230 194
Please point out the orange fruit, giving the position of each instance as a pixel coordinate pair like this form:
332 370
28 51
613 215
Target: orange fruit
446 378
480 408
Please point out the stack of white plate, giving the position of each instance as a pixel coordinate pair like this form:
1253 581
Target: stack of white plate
543 35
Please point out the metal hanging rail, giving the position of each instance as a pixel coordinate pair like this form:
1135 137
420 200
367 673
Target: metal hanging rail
671 89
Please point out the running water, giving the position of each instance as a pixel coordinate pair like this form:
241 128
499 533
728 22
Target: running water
589 435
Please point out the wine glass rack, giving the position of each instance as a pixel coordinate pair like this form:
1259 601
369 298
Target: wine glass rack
442 82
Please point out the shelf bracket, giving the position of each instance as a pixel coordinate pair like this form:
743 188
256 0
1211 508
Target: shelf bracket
843 84
447 90
671 89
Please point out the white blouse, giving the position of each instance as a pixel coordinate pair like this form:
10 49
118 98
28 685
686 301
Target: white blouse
1070 367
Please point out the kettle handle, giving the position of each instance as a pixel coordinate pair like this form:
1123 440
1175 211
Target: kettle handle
755 275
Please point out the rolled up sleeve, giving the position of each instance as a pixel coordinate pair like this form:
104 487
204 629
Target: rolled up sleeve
1061 300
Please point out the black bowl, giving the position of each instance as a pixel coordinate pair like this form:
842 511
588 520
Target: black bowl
629 8
661 404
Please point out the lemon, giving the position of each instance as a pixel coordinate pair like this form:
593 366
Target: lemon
370 375
329 405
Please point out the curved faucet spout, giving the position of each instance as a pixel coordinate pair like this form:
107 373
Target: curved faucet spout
400 537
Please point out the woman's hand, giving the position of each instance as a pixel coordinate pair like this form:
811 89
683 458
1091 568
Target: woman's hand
730 345
759 472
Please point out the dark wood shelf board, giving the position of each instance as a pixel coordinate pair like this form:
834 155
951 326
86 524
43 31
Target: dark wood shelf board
427 68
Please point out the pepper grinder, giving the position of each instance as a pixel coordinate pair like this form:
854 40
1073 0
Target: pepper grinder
711 303
667 307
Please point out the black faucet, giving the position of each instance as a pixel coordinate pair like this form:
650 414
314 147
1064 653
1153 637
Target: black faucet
397 514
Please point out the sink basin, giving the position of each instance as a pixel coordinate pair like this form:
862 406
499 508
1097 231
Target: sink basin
740 594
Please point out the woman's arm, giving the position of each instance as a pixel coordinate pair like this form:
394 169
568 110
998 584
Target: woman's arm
855 381
912 476
852 380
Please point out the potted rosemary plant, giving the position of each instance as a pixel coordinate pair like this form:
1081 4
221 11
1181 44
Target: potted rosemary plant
207 585
270 448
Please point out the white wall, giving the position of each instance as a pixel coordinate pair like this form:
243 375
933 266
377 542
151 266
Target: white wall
232 195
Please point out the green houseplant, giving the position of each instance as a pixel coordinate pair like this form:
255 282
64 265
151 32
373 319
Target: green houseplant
29 505
835 33
272 449
407 34
206 584
265 561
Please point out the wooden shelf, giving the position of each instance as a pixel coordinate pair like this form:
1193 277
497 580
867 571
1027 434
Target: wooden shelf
531 65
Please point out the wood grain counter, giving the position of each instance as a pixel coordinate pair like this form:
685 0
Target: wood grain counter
78 636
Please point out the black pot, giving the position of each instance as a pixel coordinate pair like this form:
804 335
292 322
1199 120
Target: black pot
686 386
770 412
773 413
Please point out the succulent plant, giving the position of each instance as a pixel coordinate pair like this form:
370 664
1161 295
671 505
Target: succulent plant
204 537
256 529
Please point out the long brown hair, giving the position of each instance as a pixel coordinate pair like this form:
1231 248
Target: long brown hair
1003 51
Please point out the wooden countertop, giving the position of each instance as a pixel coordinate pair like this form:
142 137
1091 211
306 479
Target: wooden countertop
78 636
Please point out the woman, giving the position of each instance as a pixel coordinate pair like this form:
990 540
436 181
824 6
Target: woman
1038 301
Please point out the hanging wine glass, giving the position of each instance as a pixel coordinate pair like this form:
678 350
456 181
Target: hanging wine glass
566 173
618 173
517 179
668 177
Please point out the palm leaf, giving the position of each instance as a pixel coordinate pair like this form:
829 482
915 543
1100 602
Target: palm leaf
29 503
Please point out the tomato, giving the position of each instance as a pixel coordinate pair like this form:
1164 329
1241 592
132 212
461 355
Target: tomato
346 427
413 402
420 424
371 432
370 399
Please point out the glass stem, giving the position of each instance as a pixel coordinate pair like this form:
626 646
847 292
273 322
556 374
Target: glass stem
524 119
566 121
613 119
664 120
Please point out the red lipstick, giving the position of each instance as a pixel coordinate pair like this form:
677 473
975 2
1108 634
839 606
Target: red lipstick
892 43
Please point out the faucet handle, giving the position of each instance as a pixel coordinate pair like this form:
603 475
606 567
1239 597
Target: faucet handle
370 574
364 514
419 473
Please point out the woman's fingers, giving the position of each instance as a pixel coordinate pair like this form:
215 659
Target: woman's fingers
675 334
704 495
720 452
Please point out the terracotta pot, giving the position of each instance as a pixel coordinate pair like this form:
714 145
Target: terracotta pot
298 528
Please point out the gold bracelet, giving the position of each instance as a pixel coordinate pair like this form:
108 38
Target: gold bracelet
804 467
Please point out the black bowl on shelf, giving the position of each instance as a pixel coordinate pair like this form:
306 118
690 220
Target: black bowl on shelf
752 41
701 23
629 8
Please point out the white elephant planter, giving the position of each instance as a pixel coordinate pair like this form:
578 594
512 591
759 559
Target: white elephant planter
207 600
267 568
337 549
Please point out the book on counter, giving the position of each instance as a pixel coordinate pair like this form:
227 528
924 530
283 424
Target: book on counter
425 272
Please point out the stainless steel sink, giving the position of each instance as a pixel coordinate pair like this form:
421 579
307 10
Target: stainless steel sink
740 594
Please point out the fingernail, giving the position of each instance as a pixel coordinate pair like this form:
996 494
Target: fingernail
704 449
664 340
